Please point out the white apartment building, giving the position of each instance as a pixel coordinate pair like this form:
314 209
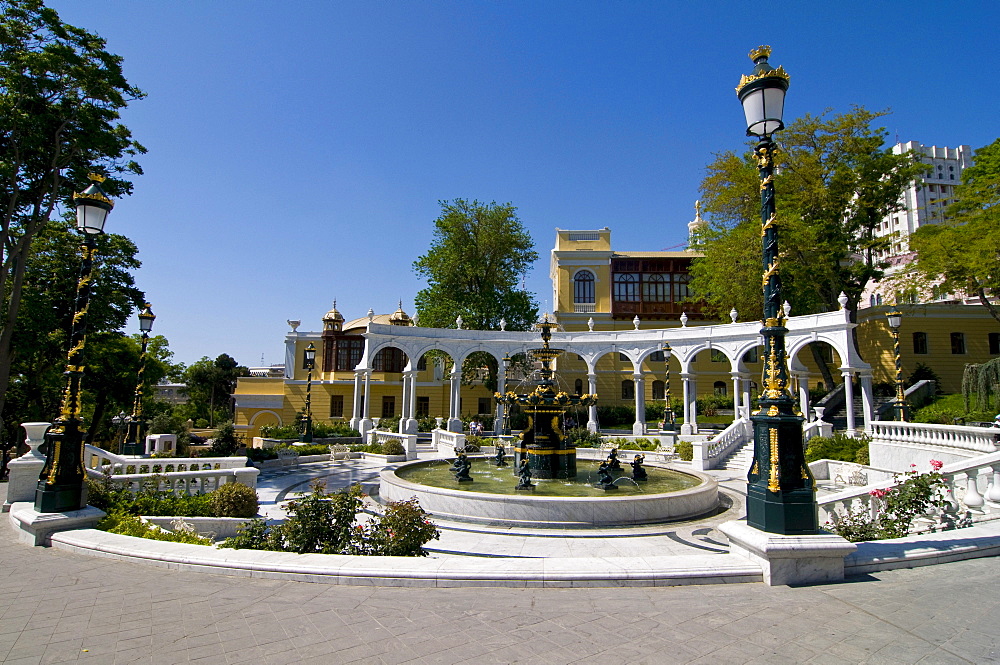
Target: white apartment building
923 202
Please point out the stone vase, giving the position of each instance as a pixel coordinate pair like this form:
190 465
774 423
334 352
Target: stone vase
35 436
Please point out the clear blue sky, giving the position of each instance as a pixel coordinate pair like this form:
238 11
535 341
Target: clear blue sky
297 150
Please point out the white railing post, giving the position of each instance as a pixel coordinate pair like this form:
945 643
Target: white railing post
972 499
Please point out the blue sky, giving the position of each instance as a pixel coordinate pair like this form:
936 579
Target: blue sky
298 150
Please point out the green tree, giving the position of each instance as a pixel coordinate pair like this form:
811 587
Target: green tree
962 252
478 255
40 340
836 181
210 383
60 98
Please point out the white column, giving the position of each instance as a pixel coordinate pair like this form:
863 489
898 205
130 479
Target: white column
747 406
366 421
737 407
849 402
501 388
803 383
411 421
693 408
867 400
639 426
455 410
356 410
592 409
688 427
404 407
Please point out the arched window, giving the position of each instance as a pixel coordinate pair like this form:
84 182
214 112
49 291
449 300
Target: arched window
658 391
626 287
656 287
628 389
719 388
578 386
583 287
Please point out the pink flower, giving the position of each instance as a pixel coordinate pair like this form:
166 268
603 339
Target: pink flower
913 466
878 494
936 464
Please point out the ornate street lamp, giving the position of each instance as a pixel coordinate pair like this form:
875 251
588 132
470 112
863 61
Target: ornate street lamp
505 421
899 408
133 440
668 412
310 364
60 484
780 494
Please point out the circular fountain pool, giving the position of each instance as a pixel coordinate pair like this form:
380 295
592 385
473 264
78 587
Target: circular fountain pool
668 495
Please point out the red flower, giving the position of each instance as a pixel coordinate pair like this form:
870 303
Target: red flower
936 464
878 494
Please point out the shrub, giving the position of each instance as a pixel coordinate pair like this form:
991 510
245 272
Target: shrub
130 525
948 409
279 432
838 447
913 495
922 372
389 424
426 424
402 531
581 437
201 423
643 444
474 444
684 450
393 447
234 500
321 522
611 415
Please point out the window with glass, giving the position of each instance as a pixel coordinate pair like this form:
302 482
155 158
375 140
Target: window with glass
583 287
718 356
681 291
349 350
752 356
485 405
719 388
658 389
423 406
389 359
336 406
656 287
388 406
920 342
578 386
422 364
958 343
627 287
994 339
628 389
656 357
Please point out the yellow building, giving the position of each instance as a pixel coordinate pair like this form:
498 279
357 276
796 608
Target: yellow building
615 311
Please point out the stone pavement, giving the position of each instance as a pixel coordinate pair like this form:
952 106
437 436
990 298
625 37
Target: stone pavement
59 607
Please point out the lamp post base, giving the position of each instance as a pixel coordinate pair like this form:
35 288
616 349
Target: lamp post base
60 498
791 512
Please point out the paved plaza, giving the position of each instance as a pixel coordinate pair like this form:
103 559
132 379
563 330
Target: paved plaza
61 607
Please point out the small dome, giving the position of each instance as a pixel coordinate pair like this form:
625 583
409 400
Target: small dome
333 314
399 317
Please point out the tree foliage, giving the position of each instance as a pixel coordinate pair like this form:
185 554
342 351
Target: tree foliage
61 94
40 340
210 383
836 180
478 255
963 252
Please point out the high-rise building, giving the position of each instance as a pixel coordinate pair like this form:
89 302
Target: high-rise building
924 202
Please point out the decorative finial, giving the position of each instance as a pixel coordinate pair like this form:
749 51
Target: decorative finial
763 51
787 309
697 210
684 319
733 314
293 324
503 324
842 299
635 322
590 324
458 322
96 177
371 314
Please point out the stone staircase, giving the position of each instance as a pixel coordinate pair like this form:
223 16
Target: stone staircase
739 459
839 417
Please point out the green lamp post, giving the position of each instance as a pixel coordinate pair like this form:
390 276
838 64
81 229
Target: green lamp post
900 410
780 494
60 484
133 440
309 364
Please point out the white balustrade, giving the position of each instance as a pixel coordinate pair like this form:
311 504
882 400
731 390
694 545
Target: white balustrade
408 441
711 453
102 461
977 439
180 482
964 491
446 441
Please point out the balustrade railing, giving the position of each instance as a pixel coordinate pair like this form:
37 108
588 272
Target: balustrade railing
711 453
180 482
446 441
977 439
972 490
102 461
408 441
